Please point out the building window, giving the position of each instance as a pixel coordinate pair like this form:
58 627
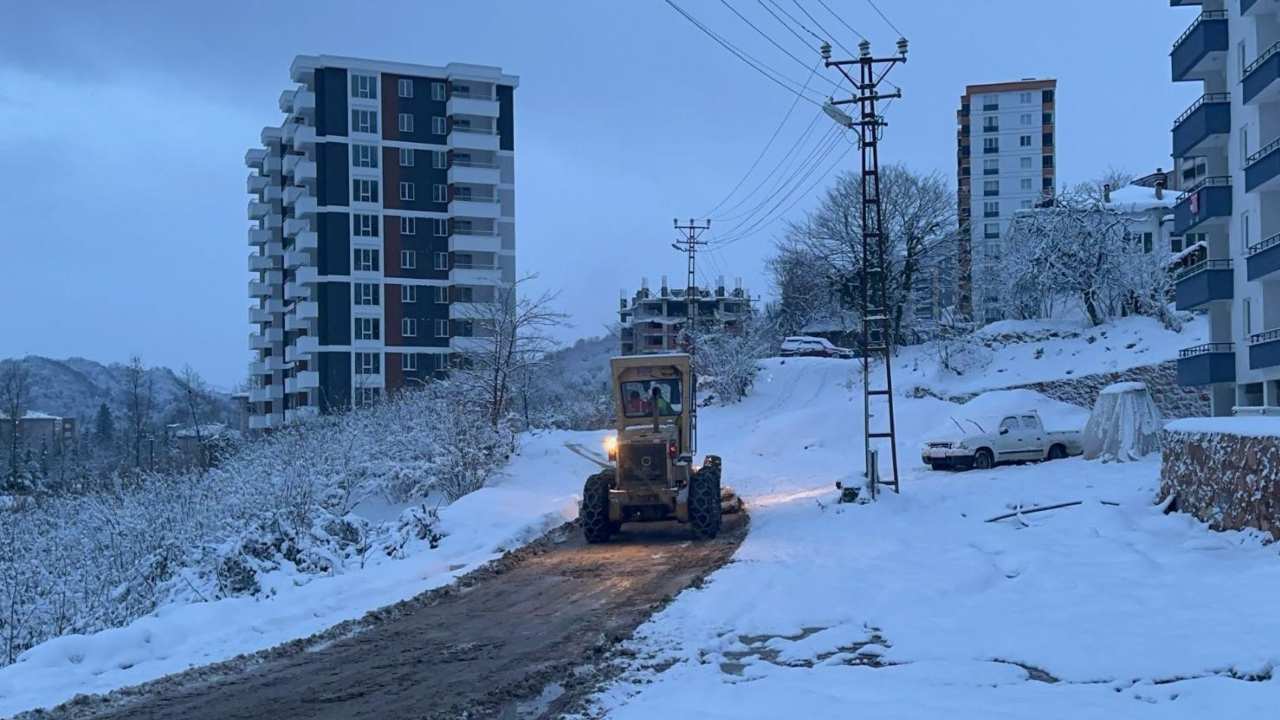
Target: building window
991 231
1024 204
404 87
405 122
365 121
1024 141
364 156
991 123
437 91
1047 140
440 227
364 225
990 145
1046 96
991 209
441 294
407 191
366 260
1175 244
991 166
409 362
1027 119
442 261
364 190
442 328
1024 98
990 187
408 225
1244 231
409 327
366 293
408 259
408 293
440 193
368 328
439 160
1240 57
406 157
368 363
438 125
1046 184
368 396
1247 307
364 86
1046 161
1046 119
1025 163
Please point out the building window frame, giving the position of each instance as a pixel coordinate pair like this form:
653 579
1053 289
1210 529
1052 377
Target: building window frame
365 260
441 260
439 126
365 294
408 191
408 225
408 293
364 87
409 362
364 190
408 259
441 328
438 91
404 122
404 88
368 328
364 225
365 156
364 121
440 227
409 327
406 157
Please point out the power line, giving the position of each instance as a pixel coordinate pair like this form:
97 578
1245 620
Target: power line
775 43
841 20
820 27
755 64
785 169
764 150
792 18
883 17
783 23
790 154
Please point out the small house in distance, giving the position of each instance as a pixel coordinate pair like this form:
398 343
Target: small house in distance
654 322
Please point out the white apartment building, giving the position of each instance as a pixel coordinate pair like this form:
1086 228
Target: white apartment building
1226 147
1005 163
383 219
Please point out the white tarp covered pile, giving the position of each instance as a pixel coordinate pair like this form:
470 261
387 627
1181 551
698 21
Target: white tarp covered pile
1124 425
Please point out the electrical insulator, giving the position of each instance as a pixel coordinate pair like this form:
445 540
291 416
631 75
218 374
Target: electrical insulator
826 50
864 48
902 46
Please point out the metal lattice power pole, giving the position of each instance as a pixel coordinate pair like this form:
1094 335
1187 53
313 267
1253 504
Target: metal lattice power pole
877 330
688 244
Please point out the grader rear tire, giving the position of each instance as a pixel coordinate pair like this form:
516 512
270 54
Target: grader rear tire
704 501
594 516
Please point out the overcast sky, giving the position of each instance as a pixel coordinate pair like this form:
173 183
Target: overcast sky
123 128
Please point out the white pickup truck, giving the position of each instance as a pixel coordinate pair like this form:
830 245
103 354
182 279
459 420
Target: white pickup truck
983 444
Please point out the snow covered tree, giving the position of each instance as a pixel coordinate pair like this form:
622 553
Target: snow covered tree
104 427
138 400
15 390
727 362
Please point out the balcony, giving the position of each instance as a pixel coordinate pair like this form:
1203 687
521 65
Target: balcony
307 240
294 259
307 310
474 172
1203 283
1260 76
296 291
476 241
305 205
304 136
1264 350
1208 200
302 348
473 138
304 171
299 100
475 274
255 158
1207 123
261 262
258 210
259 289
259 315
470 310
1263 259
1262 168
274 305
293 226
274 249
466 105
1201 51
256 183
475 207
259 368
258 342
260 236
307 380
306 275
1207 364
260 393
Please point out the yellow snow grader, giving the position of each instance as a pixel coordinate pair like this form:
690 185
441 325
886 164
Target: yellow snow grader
652 477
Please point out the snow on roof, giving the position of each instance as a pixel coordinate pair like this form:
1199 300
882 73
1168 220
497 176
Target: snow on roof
1136 197
1193 247
1255 426
33 415
1123 387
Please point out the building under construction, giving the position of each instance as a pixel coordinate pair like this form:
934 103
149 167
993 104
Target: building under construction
655 322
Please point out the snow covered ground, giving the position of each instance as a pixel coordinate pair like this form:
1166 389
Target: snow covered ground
539 491
915 607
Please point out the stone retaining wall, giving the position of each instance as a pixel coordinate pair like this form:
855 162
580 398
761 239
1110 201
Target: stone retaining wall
1174 400
1229 481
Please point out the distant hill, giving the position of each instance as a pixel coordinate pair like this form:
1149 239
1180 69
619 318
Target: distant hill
75 387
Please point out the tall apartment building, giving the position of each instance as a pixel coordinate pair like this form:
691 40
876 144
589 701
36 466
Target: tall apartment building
1226 149
654 323
383 217
1005 161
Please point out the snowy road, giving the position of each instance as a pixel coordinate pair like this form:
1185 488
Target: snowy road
518 641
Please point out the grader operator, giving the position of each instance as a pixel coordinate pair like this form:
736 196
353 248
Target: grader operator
653 477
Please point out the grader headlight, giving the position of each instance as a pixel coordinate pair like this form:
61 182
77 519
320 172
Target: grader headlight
611 446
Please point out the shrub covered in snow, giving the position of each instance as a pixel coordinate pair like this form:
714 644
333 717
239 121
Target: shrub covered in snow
78 564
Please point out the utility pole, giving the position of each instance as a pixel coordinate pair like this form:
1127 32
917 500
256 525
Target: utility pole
877 331
688 244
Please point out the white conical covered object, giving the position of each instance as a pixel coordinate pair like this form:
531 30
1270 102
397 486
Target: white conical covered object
1124 426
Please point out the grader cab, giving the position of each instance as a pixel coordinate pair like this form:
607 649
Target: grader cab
653 477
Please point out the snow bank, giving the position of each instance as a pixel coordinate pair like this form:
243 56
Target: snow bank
537 492
1243 425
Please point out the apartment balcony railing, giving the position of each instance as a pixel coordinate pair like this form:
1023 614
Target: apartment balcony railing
1264 350
1207 364
255 158
1260 77
1206 123
470 138
256 183
1262 169
1208 200
1263 258
1201 50
479 105
1203 283
261 262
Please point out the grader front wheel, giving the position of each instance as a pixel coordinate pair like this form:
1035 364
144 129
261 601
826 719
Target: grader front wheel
594 516
704 501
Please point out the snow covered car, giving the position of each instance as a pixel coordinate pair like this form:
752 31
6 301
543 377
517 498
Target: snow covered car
1019 437
805 346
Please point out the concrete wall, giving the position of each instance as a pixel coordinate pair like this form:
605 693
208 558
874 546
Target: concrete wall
1229 481
1174 400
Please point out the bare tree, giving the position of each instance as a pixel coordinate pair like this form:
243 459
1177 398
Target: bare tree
509 338
138 402
195 394
15 390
